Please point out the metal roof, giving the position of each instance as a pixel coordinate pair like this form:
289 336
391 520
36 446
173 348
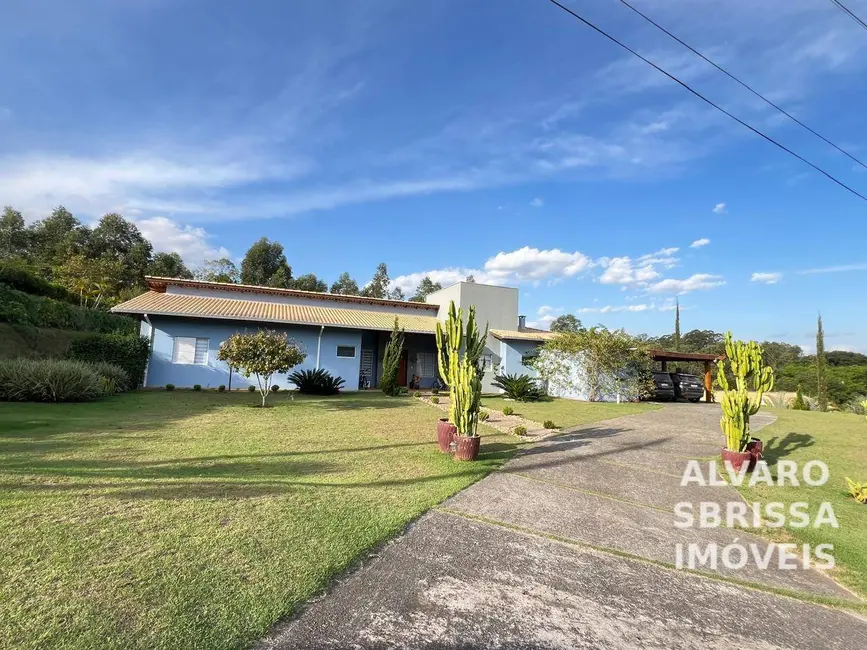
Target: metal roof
667 355
521 335
154 303
159 284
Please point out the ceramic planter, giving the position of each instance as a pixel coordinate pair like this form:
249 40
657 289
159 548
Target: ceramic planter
754 448
445 433
467 448
738 458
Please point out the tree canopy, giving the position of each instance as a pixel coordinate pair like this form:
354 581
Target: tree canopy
309 282
345 285
425 287
261 354
566 323
169 265
221 270
265 265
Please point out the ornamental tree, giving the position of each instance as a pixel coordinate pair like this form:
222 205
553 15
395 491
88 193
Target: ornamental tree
262 354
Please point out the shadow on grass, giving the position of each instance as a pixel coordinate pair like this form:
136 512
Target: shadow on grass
777 448
252 479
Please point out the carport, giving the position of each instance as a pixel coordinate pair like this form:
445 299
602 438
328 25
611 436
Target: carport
664 356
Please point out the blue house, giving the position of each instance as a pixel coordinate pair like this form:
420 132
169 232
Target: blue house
186 321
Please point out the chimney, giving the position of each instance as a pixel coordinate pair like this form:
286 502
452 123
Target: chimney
522 322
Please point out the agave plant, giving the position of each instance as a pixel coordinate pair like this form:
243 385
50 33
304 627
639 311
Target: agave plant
316 382
521 388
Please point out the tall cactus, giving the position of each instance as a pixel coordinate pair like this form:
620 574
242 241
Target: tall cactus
459 356
750 373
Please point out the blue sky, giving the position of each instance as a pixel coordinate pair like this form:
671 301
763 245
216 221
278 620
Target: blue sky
499 138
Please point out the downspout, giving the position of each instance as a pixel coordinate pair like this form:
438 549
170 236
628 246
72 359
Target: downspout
319 346
150 349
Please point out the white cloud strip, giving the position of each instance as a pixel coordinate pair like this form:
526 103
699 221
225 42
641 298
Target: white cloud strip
766 278
698 243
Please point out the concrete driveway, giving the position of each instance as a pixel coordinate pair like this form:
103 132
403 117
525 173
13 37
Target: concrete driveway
572 545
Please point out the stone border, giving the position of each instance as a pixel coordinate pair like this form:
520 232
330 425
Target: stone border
499 420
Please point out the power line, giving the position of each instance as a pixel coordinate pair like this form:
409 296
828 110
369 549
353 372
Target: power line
708 101
748 87
849 13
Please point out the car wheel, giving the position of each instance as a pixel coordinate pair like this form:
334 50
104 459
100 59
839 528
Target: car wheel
695 400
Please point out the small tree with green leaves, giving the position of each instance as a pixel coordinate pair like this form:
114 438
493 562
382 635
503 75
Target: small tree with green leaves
821 368
799 403
391 361
261 354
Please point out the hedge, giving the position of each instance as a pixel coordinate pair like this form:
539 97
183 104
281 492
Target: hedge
22 279
127 352
20 308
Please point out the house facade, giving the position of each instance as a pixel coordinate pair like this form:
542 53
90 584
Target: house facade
186 321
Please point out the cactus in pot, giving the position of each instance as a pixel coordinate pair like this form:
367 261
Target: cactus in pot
750 373
459 354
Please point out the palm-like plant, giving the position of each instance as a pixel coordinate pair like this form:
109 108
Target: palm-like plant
521 388
316 382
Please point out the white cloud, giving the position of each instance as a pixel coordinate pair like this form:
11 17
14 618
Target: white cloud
545 316
607 309
192 244
766 278
696 282
445 277
620 270
537 202
719 208
698 243
844 268
532 264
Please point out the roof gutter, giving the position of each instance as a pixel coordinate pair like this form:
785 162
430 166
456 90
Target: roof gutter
319 346
150 349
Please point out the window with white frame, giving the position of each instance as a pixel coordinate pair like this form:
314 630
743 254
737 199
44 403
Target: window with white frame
489 362
426 364
346 351
188 349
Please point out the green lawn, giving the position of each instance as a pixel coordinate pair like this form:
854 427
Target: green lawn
184 519
567 412
840 441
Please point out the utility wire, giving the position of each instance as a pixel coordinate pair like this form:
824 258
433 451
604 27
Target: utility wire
748 87
708 101
849 12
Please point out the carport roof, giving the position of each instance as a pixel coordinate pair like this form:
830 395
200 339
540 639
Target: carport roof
666 355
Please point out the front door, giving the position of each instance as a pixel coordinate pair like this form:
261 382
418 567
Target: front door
401 371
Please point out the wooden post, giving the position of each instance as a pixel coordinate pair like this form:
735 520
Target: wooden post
708 383
664 366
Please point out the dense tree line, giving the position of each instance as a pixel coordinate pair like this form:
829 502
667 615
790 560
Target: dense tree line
107 264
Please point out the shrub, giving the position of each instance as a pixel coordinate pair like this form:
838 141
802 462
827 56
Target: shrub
251 388
22 279
128 352
391 361
858 405
261 354
170 386
50 380
197 387
21 308
520 431
113 375
483 416
521 388
434 391
434 399
799 403
417 394
316 382
508 410
549 424
221 388
403 390
274 388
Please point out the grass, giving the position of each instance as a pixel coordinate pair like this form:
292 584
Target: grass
840 441
567 412
191 519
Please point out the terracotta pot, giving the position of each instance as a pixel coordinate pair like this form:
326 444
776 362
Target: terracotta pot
468 448
754 448
737 459
445 433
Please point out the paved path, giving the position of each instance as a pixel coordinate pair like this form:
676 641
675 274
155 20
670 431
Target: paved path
572 545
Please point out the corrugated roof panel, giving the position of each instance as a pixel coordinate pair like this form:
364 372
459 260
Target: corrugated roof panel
522 336
173 304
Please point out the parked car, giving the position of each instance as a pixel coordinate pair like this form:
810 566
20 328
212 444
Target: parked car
663 386
687 387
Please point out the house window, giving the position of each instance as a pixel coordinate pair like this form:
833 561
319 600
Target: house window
345 351
188 349
489 362
426 362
